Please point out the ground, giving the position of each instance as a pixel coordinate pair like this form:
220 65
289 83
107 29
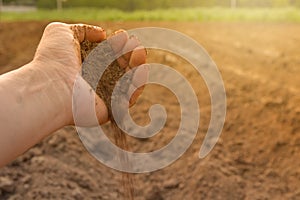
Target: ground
256 157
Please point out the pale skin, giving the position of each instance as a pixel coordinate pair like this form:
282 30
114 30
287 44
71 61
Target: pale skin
36 99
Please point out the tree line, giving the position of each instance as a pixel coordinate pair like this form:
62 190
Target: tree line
130 5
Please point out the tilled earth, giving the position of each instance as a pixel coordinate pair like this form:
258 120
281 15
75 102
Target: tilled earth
256 157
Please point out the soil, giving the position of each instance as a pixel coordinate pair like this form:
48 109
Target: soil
256 157
110 76
106 85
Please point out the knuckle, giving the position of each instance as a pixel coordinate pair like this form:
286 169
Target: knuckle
53 25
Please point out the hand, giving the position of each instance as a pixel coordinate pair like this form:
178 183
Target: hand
36 99
58 56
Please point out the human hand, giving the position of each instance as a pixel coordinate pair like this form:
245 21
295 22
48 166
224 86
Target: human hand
58 56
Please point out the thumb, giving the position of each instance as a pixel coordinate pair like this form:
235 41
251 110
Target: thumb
88 108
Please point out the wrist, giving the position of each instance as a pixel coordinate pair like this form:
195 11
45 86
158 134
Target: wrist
33 104
53 86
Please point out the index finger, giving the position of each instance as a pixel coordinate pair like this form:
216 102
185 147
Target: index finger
88 32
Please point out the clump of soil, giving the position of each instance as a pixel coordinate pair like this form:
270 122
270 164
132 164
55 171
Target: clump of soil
105 89
109 78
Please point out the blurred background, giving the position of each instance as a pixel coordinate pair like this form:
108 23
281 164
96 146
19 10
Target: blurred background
255 44
130 5
178 10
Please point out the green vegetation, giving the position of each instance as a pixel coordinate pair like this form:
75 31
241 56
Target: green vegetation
130 5
188 14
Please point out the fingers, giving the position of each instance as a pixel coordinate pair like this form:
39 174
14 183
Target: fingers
139 79
130 54
118 40
131 44
88 32
136 92
140 76
138 57
128 50
133 54
101 109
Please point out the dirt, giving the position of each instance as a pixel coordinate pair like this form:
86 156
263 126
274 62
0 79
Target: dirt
105 88
109 78
256 157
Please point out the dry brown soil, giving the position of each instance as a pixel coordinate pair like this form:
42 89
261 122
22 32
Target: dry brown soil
257 156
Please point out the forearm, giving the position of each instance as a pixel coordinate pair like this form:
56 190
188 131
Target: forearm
32 105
